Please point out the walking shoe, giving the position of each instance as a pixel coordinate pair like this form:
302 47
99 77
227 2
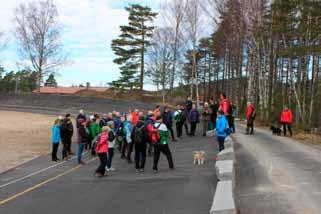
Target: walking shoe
107 169
122 157
112 169
155 171
137 170
141 170
82 163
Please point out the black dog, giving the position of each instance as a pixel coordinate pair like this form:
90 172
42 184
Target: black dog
275 130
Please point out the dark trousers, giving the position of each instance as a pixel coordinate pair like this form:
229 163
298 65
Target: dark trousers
250 126
103 162
64 149
127 150
54 151
231 123
289 128
140 155
179 129
205 126
193 128
110 157
170 129
186 128
221 141
166 151
69 145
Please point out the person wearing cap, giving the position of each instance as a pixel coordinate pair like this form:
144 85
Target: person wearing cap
111 144
221 129
83 138
102 151
140 138
67 131
55 138
81 115
162 145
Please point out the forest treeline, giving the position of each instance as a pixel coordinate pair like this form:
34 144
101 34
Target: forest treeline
263 52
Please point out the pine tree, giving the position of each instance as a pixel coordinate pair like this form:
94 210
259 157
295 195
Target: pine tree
51 81
131 46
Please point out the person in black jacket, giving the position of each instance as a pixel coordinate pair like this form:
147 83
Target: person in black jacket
83 138
66 132
140 138
168 121
81 115
214 106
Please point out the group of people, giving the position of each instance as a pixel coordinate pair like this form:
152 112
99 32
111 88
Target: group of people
148 133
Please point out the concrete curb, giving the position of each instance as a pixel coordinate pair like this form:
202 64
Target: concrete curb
223 202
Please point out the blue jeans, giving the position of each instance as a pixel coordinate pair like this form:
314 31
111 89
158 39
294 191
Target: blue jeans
110 157
81 147
221 141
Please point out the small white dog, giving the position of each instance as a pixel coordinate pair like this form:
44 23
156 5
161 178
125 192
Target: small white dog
199 157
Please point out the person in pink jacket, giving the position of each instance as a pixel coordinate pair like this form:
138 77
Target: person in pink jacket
102 150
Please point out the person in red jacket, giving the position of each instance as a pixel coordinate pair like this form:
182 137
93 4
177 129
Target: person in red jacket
286 120
224 105
135 117
250 116
102 150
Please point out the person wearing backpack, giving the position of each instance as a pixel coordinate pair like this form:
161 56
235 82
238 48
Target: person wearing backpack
102 150
140 138
161 144
250 117
111 144
221 129
168 121
149 123
55 138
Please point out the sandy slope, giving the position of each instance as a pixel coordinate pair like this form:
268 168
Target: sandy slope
23 136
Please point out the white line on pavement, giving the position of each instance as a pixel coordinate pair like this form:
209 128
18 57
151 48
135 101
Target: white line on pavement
37 172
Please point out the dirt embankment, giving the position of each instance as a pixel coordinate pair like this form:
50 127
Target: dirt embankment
23 136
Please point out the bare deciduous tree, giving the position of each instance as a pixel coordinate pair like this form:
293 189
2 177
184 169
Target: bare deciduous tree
160 58
38 32
193 18
173 12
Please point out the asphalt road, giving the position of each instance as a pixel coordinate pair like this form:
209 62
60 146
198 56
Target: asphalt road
67 188
276 175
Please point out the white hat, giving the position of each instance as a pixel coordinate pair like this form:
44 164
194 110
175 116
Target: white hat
91 117
60 117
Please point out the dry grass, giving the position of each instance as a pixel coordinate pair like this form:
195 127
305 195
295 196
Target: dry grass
23 137
309 138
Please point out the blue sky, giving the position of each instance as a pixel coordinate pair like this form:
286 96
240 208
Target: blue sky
89 27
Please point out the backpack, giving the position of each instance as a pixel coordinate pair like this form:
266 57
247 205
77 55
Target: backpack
95 143
139 134
155 136
177 116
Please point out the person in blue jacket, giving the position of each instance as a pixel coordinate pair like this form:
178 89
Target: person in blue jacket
221 129
55 138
